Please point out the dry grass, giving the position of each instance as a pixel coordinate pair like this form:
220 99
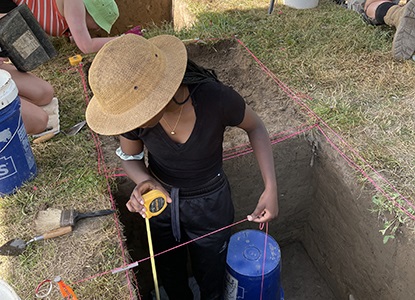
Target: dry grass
67 178
346 67
327 53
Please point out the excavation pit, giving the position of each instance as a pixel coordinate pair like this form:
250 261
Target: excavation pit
330 241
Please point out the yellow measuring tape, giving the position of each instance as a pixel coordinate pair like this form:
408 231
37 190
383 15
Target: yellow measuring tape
154 202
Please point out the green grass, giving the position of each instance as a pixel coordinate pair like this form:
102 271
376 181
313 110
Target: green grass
345 65
328 53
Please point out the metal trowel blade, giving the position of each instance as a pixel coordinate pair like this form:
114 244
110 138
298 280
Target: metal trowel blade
13 247
75 129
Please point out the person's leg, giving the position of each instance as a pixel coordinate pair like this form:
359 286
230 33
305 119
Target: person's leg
199 217
34 118
32 88
172 265
372 5
403 19
208 257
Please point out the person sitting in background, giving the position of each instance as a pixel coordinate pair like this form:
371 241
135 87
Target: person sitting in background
389 12
75 18
402 17
33 92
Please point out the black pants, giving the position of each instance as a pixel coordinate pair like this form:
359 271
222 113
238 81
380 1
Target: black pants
199 215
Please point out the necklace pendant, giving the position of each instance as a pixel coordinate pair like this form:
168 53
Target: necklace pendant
172 132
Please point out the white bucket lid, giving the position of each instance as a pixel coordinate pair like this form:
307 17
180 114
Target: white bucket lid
6 292
8 89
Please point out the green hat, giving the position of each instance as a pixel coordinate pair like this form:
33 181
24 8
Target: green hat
104 12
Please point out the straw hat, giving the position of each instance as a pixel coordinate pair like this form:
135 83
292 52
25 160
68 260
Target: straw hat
133 79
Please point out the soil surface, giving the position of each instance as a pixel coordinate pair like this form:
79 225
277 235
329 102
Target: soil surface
143 13
331 245
236 68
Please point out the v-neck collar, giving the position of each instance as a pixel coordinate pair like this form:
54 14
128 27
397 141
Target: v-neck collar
189 141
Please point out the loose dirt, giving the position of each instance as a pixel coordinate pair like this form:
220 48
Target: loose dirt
331 245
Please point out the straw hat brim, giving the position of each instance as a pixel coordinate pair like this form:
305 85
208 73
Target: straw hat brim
107 123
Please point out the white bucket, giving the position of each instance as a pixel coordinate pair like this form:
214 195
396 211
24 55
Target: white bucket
6 292
8 89
299 4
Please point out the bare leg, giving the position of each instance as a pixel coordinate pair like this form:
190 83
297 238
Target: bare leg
372 5
32 88
34 118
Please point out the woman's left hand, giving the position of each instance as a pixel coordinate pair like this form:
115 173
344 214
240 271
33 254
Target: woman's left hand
267 207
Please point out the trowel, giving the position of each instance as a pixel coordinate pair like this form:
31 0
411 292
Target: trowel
69 132
17 246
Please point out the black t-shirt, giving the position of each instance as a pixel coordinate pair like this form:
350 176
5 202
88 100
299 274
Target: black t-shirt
199 159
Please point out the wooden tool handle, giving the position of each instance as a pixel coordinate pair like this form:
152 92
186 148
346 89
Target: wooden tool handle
57 232
44 138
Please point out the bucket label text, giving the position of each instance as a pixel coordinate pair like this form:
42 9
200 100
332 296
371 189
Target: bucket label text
232 289
7 167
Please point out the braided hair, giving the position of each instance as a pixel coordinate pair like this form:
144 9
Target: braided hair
196 74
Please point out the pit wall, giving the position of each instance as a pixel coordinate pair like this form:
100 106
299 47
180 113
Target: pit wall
323 207
292 165
143 13
342 237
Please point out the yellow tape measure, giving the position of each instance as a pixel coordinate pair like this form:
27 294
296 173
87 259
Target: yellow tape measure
154 202
75 60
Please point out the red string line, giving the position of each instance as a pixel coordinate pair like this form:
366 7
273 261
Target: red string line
264 258
249 149
101 163
296 98
355 166
133 264
319 120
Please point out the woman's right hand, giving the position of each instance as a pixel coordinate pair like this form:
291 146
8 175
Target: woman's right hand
136 202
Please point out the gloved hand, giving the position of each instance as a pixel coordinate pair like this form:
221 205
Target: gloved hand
135 30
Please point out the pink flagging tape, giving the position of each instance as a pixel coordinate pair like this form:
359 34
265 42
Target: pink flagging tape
295 97
242 150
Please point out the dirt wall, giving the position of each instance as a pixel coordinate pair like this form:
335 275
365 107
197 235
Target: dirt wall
144 13
292 165
322 203
343 239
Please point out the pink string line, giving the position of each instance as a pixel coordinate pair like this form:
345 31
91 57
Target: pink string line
103 170
243 148
236 153
355 166
245 145
313 115
133 264
264 259
249 149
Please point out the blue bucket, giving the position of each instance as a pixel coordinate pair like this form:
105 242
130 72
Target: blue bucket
17 163
245 267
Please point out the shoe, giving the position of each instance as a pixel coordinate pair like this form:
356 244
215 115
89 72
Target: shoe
403 18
